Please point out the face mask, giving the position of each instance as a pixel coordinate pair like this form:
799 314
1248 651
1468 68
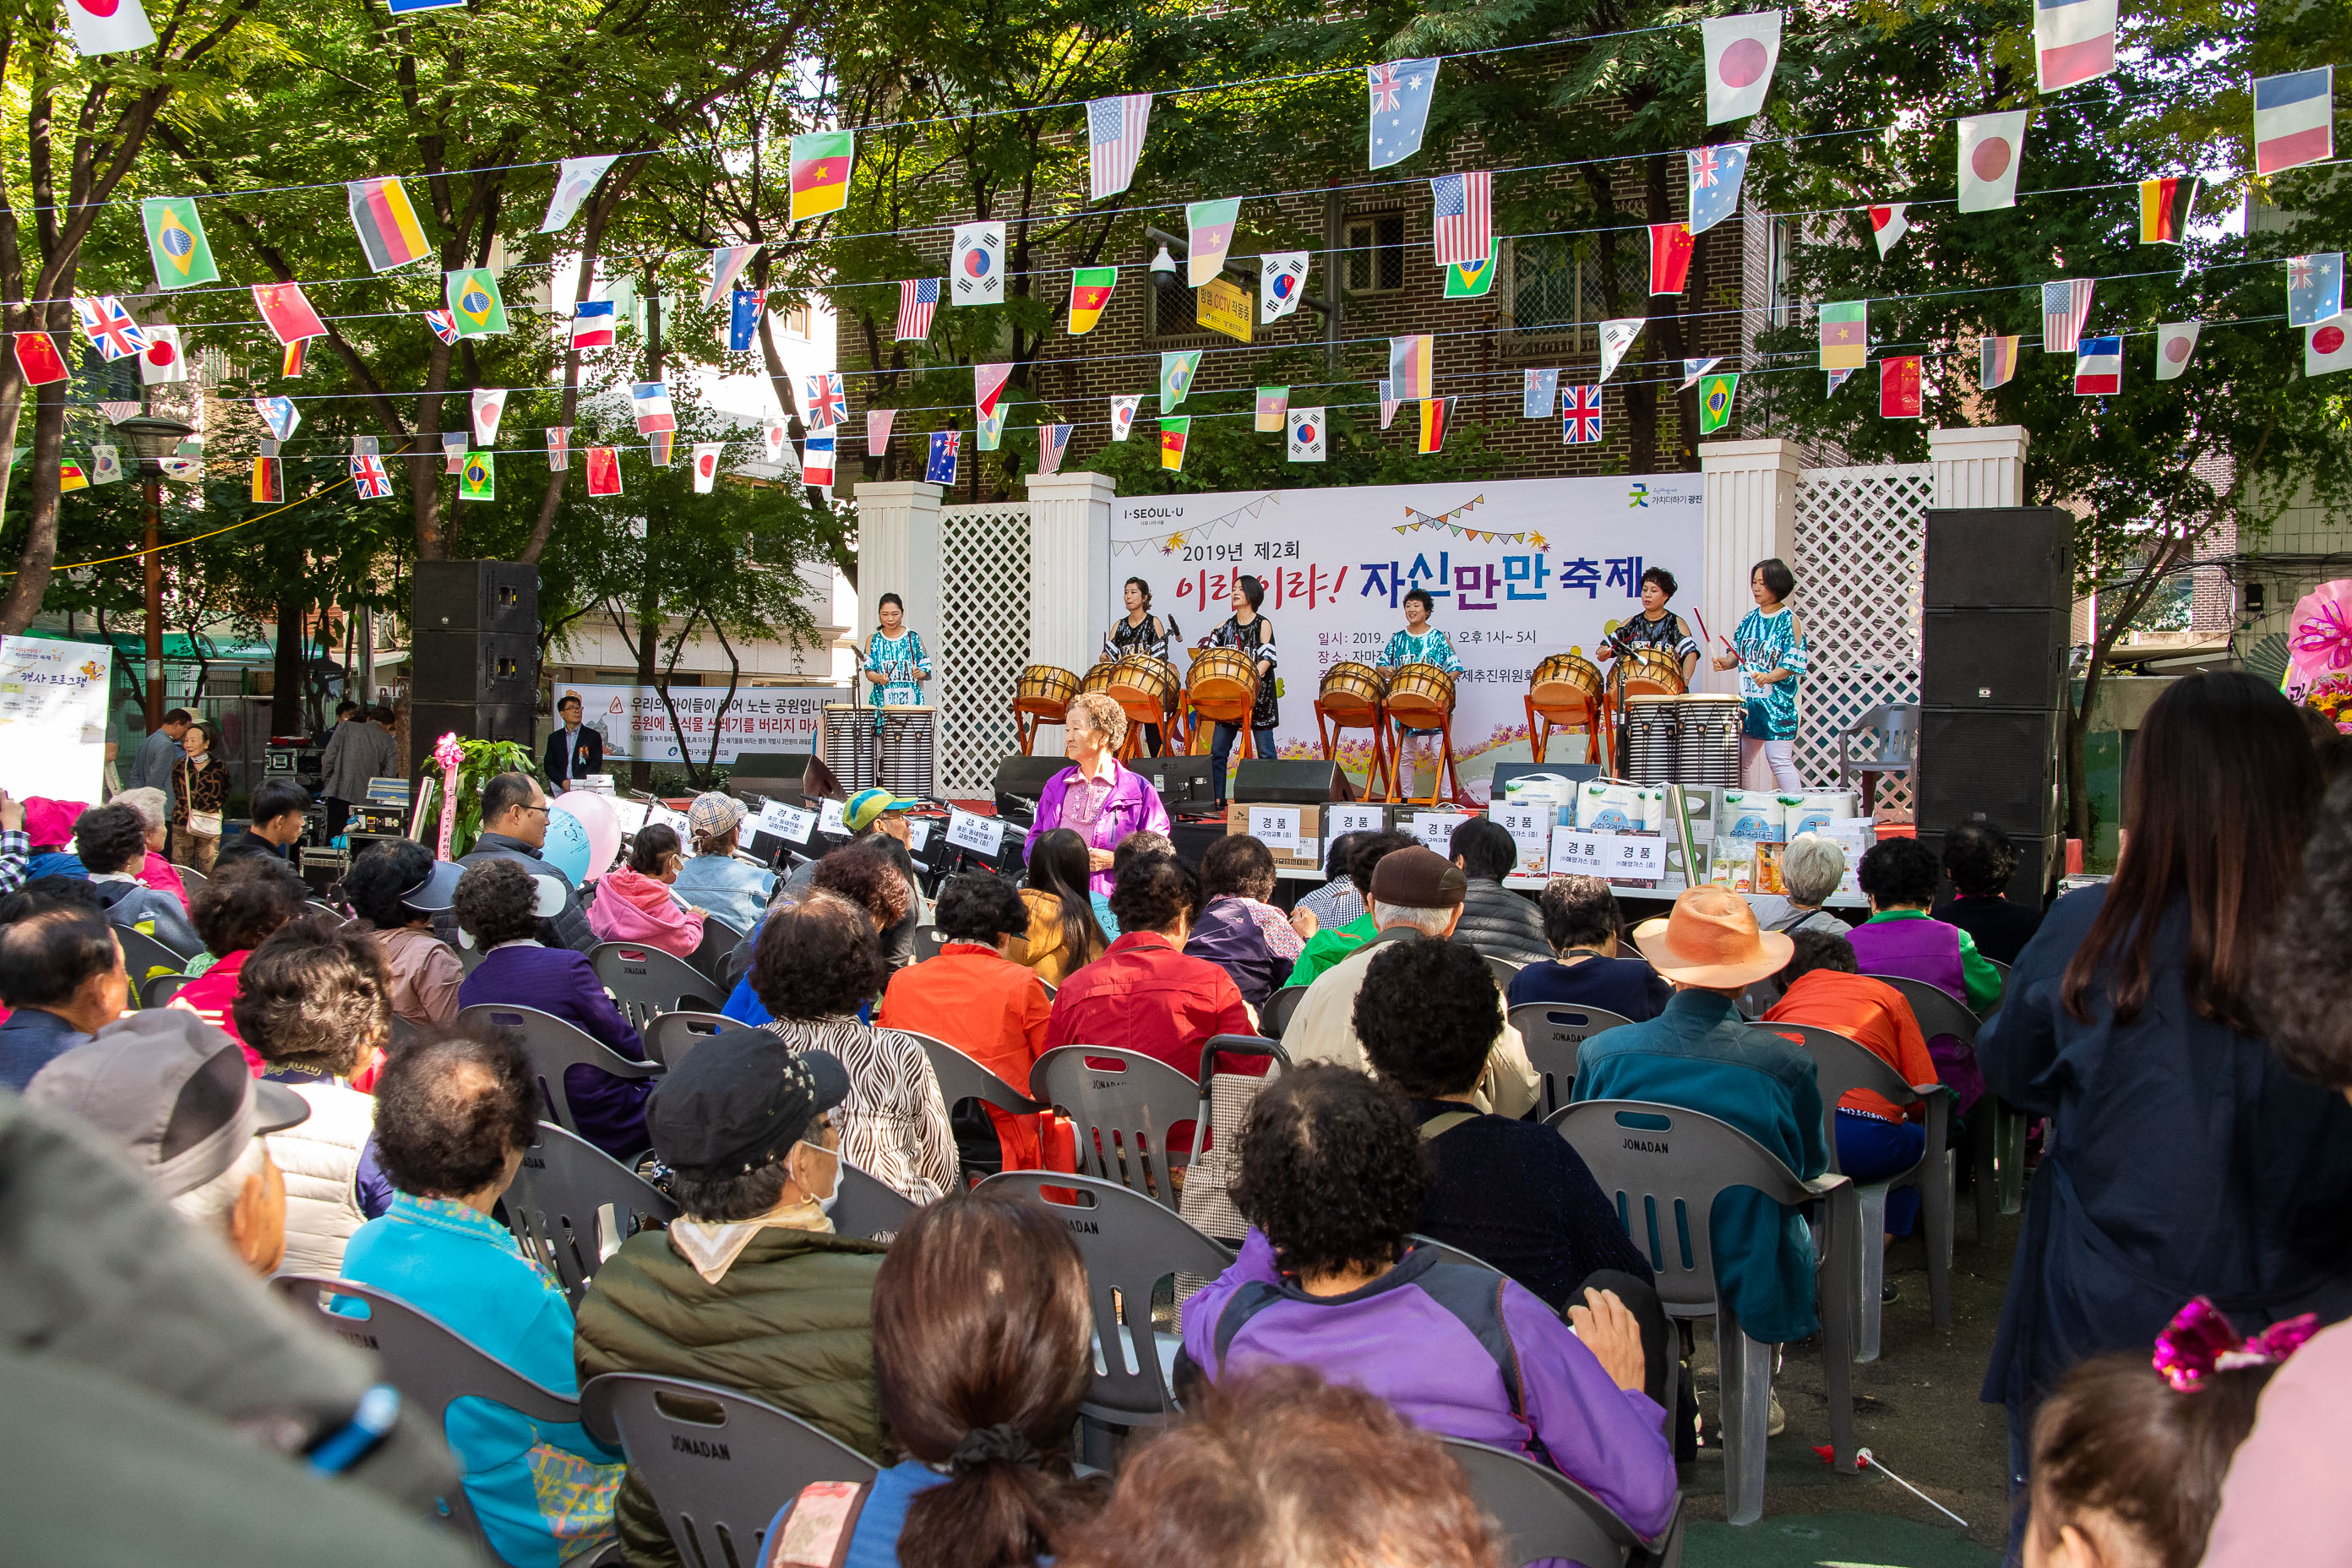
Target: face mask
827 1199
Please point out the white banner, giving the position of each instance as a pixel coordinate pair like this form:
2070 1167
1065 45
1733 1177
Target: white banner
637 728
1520 569
53 718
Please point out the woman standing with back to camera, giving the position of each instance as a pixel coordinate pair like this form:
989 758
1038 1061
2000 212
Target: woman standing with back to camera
2189 1160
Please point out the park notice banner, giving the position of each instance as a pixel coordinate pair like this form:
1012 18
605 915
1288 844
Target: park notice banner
636 727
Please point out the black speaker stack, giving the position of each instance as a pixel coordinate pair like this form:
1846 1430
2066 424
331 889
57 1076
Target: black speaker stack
1291 781
1996 607
473 659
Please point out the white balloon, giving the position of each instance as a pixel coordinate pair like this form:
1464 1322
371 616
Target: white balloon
594 811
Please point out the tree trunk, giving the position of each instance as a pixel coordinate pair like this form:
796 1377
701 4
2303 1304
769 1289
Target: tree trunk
291 656
648 608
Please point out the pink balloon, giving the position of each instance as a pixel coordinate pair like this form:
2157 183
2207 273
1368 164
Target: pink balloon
595 813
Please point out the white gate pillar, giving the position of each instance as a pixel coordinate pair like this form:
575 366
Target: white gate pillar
1980 466
897 553
1069 567
1751 515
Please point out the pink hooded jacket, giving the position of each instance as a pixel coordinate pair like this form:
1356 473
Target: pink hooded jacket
633 907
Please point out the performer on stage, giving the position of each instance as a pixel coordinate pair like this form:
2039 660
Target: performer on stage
1253 634
1096 798
1420 643
1655 626
1768 650
895 661
1141 631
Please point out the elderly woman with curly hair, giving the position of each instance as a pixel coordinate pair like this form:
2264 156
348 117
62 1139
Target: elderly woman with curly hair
1095 798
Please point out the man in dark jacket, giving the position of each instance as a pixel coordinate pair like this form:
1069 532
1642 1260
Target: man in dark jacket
514 827
750 1288
573 749
281 810
1495 920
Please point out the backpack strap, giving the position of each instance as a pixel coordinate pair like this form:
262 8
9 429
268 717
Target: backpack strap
816 1527
1474 1297
1446 1122
1246 1303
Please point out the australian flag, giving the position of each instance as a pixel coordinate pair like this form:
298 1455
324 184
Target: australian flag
1714 176
2314 289
743 319
1401 92
941 468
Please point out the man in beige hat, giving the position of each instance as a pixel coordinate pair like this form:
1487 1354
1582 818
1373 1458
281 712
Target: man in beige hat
1701 1055
1415 894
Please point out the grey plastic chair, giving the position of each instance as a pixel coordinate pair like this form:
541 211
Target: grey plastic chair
552 1045
145 958
1664 1167
1503 970
868 1209
962 1078
157 990
718 1464
1274 1017
1841 1065
192 880
929 940
1542 1515
1130 1245
668 1037
433 1367
718 940
1554 1032
572 1205
647 982
1123 1104
1996 1133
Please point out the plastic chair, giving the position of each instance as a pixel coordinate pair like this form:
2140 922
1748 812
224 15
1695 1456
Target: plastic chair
433 1367
157 990
1130 1244
553 1044
146 958
1554 1032
718 940
1207 1202
192 880
868 1209
647 982
1841 1065
668 1037
1665 1166
1996 1133
1124 1104
1542 1515
1274 1017
572 1205
718 1464
962 1080
929 940
1503 970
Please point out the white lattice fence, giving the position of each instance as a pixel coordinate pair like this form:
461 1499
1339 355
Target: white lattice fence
984 639
1859 537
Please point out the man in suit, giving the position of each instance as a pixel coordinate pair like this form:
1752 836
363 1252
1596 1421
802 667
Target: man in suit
574 751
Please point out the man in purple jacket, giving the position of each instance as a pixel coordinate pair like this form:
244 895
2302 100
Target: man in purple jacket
1457 1350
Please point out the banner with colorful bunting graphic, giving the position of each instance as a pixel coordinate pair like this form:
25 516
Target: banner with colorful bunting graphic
2174 341
1177 368
1889 226
1272 405
1122 416
1714 394
478 479
109 27
574 178
2074 42
1462 217
1053 442
162 361
1579 418
821 163
743 310
109 327
978 271
1306 443
1115 133
917 298
490 405
287 311
706 464
2098 366
1996 361
603 470
1845 334
1209 230
1090 289
1174 434
1434 419
1281 283
475 300
1716 174
940 467
1538 394
2294 119
2314 289
1411 367
1671 245
1616 337
1473 279
1899 389
389 230
2164 210
175 242
877 430
1741 52
1991 148
1401 94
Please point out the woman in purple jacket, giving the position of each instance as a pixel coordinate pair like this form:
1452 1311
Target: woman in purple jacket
1098 799
1331 1178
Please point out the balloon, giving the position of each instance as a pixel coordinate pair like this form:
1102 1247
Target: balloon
566 848
594 811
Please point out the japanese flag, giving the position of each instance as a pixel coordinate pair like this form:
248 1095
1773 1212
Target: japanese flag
1740 54
490 403
1991 146
705 466
2329 345
109 27
163 360
772 439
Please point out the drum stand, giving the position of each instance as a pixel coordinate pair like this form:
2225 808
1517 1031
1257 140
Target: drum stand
1028 721
1541 721
1438 788
1381 775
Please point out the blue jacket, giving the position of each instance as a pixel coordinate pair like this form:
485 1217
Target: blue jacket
1699 1054
1626 986
30 1039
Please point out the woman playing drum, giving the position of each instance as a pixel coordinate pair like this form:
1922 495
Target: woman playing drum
1098 799
895 661
1419 643
1768 650
1141 631
1655 626
1253 634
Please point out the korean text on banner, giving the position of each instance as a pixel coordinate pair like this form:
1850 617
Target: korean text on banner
636 726
53 718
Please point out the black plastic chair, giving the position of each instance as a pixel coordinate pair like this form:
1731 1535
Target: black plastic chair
869 1209
668 1037
553 1044
572 1205
929 940
718 1464
647 982
1274 1017
146 958
1542 1515
962 1080
1124 1104
718 940
1553 1033
157 990
1996 1133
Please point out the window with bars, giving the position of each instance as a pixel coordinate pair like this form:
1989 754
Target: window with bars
1555 293
1374 253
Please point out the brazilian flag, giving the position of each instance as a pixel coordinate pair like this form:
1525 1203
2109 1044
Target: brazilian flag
477 477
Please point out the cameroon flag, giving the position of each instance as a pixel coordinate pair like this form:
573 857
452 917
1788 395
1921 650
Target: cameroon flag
2164 210
71 476
820 164
1173 434
477 478
1090 289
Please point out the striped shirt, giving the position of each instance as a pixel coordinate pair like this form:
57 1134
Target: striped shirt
1335 903
894 1125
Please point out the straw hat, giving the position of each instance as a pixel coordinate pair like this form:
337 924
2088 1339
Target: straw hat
1712 940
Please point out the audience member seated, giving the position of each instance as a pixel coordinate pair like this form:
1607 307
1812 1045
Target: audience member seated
714 881
1979 859
316 1004
750 1288
1701 1055
454 1114
983 1348
1334 942
112 842
974 997
1415 894
1236 930
1823 987
1281 1470
156 871
817 964
50 824
1339 900
1063 934
1146 994
1512 1193
635 902
863 874
62 977
172 1094
1582 922
1496 921
514 827
1332 1178
248 899
878 821
396 887
280 811
1811 867
16 847
497 905
1142 841
1898 876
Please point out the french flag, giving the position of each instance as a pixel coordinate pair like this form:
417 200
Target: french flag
2293 117
2098 366
2074 41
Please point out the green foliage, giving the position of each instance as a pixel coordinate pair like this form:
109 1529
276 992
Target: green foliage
479 763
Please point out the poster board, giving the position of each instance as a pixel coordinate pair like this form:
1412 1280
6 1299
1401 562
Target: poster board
53 699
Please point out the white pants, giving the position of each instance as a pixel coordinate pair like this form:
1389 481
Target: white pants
1779 765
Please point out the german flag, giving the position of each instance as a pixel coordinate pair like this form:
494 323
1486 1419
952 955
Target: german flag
269 481
2164 210
290 366
1090 289
385 222
1434 412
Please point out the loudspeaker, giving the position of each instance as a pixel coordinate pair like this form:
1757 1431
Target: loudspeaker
475 596
428 722
1020 780
2006 557
2039 862
1285 781
779 775
474 666
1183 782
1993 657
2002 763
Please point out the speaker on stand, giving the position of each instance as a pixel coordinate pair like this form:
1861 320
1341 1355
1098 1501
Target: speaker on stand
473 654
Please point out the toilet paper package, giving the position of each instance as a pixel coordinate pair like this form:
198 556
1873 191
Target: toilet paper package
1814 812
1605 807
1755 815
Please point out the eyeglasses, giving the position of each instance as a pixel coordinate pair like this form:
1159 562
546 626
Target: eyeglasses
542 810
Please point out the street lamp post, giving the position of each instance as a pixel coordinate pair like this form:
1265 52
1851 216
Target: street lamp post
152 438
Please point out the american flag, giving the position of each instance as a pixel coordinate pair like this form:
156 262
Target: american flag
2064 304
917 298
109 327
1580 415
1464 229
369 478
1115 128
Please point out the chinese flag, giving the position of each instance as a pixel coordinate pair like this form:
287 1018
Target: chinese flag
1670 257
37 358
603 472
287 311
1898 388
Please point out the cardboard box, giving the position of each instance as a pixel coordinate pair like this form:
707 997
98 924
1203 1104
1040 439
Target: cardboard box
1359 816
1293 834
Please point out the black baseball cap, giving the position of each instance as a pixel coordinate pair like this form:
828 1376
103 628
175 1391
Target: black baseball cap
739 1100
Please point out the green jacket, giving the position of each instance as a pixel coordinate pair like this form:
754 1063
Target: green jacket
1326 948
790 1322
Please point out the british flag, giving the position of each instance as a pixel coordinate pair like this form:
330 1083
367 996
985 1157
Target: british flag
1387 81
1463 226
917 298
444 324
1579 416
369 478
109 327
827 402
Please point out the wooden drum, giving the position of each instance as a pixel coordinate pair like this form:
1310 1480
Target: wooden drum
1144 686
1098 678
1046 691
1566 683
1420 696
1223 684
1353 693
1654 671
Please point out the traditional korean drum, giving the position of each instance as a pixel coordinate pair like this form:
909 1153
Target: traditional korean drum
1222 678
1653 731
1420 696
1145 686
1098 678
1046 691
1706 743
1566 682
1654 671
1353 693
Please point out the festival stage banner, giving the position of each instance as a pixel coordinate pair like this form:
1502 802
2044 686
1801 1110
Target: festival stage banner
1520 569
636 727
